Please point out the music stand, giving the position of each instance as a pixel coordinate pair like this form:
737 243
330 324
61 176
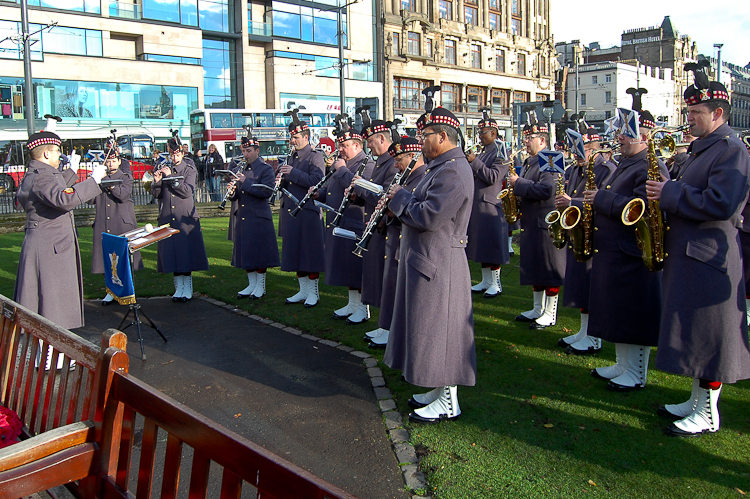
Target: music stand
138 239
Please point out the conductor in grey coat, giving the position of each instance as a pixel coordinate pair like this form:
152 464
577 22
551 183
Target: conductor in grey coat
542 264
343 267
49 280
115 213
488 230
302 248
185 252
703 326
255 246
620 282
432 331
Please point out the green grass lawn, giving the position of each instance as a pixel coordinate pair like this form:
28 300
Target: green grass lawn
535 425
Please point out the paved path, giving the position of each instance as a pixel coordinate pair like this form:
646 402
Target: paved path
307 402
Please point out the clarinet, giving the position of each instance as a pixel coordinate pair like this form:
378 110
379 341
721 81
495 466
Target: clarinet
398 179
275 195
345 202
310 193
241 167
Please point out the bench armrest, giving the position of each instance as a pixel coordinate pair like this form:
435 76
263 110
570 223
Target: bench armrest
46 444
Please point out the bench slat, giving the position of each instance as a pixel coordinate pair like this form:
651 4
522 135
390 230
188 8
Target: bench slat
199 476
172 465
231 485
146 464
126 448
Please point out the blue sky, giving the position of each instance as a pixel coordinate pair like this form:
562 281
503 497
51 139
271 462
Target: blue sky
715 21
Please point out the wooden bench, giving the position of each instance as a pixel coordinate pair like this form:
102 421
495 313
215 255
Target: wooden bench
56 406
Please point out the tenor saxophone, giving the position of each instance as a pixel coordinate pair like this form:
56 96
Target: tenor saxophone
554 218
510 202
649 226
581 225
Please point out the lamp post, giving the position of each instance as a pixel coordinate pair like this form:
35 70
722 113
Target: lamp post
549 109
718 61
28 85
340 36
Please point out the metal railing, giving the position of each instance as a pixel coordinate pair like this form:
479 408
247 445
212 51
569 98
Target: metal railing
415 103
126 10
259 28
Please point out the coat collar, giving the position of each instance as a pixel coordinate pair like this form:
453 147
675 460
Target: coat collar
699 145
450 155
39 166
631 160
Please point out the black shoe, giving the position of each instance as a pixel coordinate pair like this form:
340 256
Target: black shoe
414 404
538 327
416 418
492 296
340 317
596 374
377 346
562 343
673 431
240 296
176 299
523 318
478 291
589 351
307 305
665 413
614 387
253 297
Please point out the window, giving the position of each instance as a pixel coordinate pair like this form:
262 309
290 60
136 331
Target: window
73 41
515 7
92 6
495 4
515 26
396 43
450 52
407 93
409 5
471 15
607 97
495 21
450 96
519 96
412 47
500 60
594 80
428 48
607 115
306 24
476 56
583 99
215 15
219 62
543 64
607 78
445 9
500 99
521 63
476 98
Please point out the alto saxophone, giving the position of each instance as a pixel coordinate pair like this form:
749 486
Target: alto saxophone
581 226
553 219
649 226
510 202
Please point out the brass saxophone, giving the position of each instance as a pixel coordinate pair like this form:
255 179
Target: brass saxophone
554 219
581 225
649 226
510 202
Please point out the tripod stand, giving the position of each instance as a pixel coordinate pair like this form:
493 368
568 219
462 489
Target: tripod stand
136 310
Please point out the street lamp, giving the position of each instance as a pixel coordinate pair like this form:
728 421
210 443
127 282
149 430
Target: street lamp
718 60
548 109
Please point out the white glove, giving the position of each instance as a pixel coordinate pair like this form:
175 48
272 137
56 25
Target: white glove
75 161
99 172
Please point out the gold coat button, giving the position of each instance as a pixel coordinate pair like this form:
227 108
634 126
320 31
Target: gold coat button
596 229
609 186
108 205
107 218
596 251
173 207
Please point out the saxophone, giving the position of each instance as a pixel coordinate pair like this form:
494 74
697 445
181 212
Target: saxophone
510 202
649 226
554 219
581 225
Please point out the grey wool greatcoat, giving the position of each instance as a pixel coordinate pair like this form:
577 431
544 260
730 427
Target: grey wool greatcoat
578 274
343 267
115 214
302 248
432 332
255 245
703 323
625 297
488 230
541 263
392 249
373 261
49 280
183 252
745 245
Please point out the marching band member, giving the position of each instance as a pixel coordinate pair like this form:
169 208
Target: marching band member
115 212
185 252
745 237
487 227
542 265
703 323
432 331
302 249
379 137
343 267
255 246
403 153
676 163
578 274
49 280
625 297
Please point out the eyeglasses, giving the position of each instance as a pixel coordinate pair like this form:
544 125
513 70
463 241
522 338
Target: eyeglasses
425 135
482 132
